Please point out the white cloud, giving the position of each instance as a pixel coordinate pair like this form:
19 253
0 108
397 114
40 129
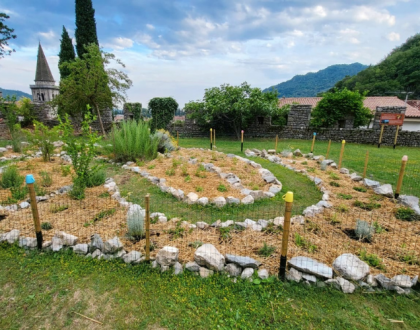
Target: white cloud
50 35
364 13
150 26
393 36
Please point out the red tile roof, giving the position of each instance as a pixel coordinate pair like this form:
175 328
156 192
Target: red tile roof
370 102
416 105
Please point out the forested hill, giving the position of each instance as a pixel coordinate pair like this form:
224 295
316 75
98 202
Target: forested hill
18 94
313 83
399 71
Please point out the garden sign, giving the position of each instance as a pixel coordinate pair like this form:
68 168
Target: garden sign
390 119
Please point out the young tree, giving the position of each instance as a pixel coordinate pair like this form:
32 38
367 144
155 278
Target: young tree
163 111
232 107
90 84
66 53
85 26
338 104
6 34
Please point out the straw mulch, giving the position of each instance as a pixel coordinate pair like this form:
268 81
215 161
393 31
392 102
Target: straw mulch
160 167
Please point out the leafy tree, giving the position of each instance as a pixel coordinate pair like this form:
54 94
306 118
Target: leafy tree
338 104
43 139
10 111
280 115
90 84
232 107
66 54
136 110
6 34
162 110
85 26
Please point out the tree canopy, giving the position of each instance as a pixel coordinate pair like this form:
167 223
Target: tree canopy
85 26
90 84
232 108
163 110
398 72
336 105
66 53
6 34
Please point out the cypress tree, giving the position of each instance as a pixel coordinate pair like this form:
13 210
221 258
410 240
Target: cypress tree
66 54
85 26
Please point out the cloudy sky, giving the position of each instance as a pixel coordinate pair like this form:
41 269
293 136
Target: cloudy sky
179 48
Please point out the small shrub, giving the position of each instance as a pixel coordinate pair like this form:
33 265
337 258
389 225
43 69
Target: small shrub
344 196
43 138
187 179
178 232
364 230
409 257
266 250
273 229
104 214
305 244
342 208
19 193
46 179
367 206
11 178
184 170
222 188
78 190
176 163
360 189
40 191
311 169
170 172
65 170
46 226
313 227
151 167
235 161
372 260
58 208
334 176
378 228
334 219
225 233
334 184
195 244
135 223
376 198
96 178
304 163
199 189
405 213
104 195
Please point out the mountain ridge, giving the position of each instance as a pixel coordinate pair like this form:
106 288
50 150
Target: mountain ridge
19 94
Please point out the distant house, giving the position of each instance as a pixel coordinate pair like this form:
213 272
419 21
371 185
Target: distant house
412 113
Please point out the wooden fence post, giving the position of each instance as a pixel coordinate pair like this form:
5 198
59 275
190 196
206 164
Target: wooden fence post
242 140
313 143
30 180
343 143
286 228
211 139
277 140
147 202
401 176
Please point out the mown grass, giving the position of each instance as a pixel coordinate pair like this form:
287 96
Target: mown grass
45 290
384 163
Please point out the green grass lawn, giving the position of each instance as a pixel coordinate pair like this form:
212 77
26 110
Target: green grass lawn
384 163
44 291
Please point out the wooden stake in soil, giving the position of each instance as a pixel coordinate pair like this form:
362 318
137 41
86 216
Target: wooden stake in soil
366 164
277 140
396 136
328 149
211 139
242 140
147 202
313 143
343 143
380 135
214 138
401 176
285 241
30 183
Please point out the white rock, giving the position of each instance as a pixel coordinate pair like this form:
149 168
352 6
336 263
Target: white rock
97 254
294 275
192 266
192 198
403 281
132 257
28 242
67 239
226 224
243 262
312 210
257 227
324 204
207 255
371 183
81 249
356 177
96 243
247 200
411 202
167 256
385 190
309 278
56 244
247 273
278 221
371 281
232 200
233 270
262 223
311 266
202 225
204 272
113 245
219 201
24 205
12 236
250 222
325 197
268 194
178 269
203 201
162 219
351 267
256 194
341 284
344 171
263 274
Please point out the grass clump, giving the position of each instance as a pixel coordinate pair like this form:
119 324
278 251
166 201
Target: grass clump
273 229
372 260
334 176
177 232
342 208
305 244
46 179
344 196
187 179
46 226
195 244
360 189
58 208
19 193
334 219
184 170
304 163
151 167
334 184
104 214
170 172
266 250
96 178
65 170
225 233
367 206
222 188
199 189
378 228
405 213
11 178
200 172
104 195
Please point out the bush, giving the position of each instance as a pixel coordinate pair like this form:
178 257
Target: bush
43 138
162 110
166 142
96 178
367 206
46 226
222 188
11 178
372 260
46 179
405 213
135 222
65 170
364 230
78 190
19 193
132 141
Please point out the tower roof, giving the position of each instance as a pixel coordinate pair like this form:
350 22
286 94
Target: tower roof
43 72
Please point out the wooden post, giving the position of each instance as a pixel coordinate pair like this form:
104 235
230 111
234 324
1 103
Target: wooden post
313 143
147 202
366 164
277 140
214 138
34 206
242 140
396 136
380 136
286 228
401 176
211 139
343 143
328 149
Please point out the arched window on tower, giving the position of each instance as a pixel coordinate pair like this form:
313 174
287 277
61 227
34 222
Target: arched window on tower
42 96
39 96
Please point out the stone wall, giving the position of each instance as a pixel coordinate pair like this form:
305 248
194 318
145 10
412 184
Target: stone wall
381 110
299 116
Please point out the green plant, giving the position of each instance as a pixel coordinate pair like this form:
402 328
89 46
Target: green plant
378 228
46 179
40 191
376 198
409 257
135 222
199 189
162 110
405 213
58 208
187 179
46 226
334 184
312 227
225 233
78 190
367 206
177 232
184 170
311 169
151 167
170 172
43 137
65 170
344 196
305 244
334 176
364 230
304 163
96 178
372 260
222 188
104 195
176 163
266 250
195 244
104 214
273 229
11 178
334 219
19 193
360 189
342 208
